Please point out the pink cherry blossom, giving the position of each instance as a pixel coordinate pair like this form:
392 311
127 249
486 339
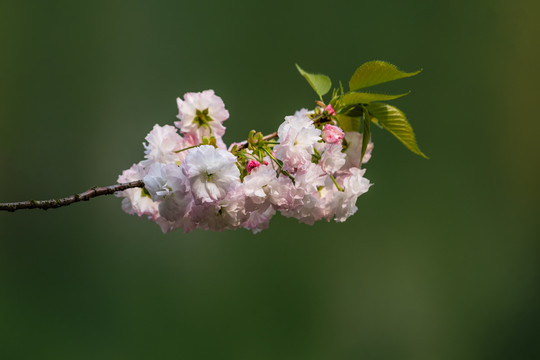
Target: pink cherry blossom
297 138
137 201
201 114
252 164
354 150
332 134
307 174
332 158
330 110
163 142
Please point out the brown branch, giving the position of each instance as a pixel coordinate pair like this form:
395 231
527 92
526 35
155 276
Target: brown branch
93 192
270 136
84 196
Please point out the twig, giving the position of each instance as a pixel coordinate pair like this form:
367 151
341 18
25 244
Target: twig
84 196
243 144
93 192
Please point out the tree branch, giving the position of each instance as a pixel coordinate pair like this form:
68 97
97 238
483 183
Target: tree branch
84 196
93 192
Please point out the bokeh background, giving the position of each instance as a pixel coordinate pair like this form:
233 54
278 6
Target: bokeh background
440 262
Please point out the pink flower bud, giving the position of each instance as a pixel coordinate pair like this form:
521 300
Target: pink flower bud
252 164
330 110
332 134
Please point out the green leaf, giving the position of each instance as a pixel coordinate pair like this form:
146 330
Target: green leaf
348 123
145 192
353 111
374 73
357 111
320 83
354 98
393 120
366 134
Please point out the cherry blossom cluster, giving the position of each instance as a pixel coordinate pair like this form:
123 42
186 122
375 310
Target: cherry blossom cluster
310 171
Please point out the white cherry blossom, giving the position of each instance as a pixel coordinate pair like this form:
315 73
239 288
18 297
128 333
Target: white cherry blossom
201 114
210 173
297 137
163 142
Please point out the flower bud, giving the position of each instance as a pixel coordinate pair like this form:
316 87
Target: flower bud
332 134
330 110
252 164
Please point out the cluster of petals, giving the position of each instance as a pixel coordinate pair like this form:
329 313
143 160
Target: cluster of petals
332 134
313 172
201 114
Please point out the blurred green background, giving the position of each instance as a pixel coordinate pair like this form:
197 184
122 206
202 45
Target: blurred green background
440 262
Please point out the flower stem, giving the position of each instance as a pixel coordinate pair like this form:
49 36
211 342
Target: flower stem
184 149
335 183
244 144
